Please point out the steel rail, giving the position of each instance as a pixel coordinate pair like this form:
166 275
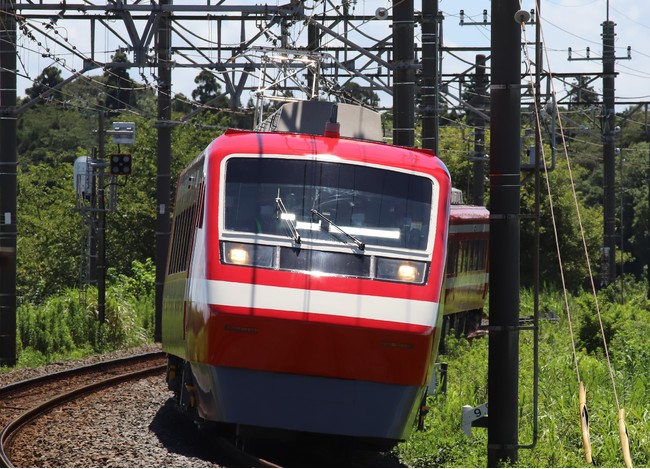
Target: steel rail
10 430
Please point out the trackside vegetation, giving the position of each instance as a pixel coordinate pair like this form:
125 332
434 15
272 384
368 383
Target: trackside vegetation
58 320
67 325
625 311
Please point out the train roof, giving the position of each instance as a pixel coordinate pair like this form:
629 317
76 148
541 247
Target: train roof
309 117
461 212
469 213
235 141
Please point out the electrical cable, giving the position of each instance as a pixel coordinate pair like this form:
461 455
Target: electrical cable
621 412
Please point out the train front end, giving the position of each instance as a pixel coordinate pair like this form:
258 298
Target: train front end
312 298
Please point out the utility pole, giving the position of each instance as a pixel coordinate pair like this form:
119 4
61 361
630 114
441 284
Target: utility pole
503 354
608 253
101 224
403 73
163 180
430 75
8 183
480 98
609 132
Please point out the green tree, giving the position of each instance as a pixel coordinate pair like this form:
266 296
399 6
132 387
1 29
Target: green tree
181 104
634 216
131 228
455 149
49 237
208 90
568 230
582 94
119 86
53 134
48 79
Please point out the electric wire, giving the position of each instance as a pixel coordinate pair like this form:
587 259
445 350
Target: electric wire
45 51
582 392
622 430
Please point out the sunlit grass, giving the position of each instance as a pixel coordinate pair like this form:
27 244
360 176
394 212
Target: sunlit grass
559 443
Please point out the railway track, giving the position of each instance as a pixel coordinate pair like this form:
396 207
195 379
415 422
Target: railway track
24 401
42 415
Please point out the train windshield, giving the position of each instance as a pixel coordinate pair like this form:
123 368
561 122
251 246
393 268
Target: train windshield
328 201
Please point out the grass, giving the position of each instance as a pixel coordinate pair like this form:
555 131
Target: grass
443 443
66 326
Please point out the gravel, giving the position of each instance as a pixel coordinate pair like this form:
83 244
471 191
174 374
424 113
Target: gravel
131 425
20 374
134 424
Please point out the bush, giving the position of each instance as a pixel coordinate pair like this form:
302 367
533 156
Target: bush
68 324
626 318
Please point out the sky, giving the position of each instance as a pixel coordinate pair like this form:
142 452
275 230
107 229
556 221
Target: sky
575 24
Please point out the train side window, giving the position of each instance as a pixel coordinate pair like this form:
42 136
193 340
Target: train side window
200 205
170 261
471 255
182 234
452 255
482 254
190 222
173 254
180 258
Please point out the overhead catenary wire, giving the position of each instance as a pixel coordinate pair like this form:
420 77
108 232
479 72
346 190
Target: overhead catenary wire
43 51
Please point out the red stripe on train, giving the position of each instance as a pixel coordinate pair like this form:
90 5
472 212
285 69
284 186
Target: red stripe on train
263 341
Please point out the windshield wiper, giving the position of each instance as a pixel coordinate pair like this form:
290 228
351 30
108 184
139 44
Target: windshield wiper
287 218
360 244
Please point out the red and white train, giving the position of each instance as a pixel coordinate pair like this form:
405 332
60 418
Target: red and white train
305 280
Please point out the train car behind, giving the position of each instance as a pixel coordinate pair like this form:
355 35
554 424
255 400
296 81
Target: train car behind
467 270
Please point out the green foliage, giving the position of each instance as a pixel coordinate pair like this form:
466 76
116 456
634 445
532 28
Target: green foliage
634 171
443 444
455 152
564 217
49 232
50 229
68 323
450 448
139 292
119 86
48 78
54 135
208 90
60 325
356 94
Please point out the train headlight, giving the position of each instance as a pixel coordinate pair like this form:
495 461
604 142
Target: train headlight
237 255
248 254
401 270
407 273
